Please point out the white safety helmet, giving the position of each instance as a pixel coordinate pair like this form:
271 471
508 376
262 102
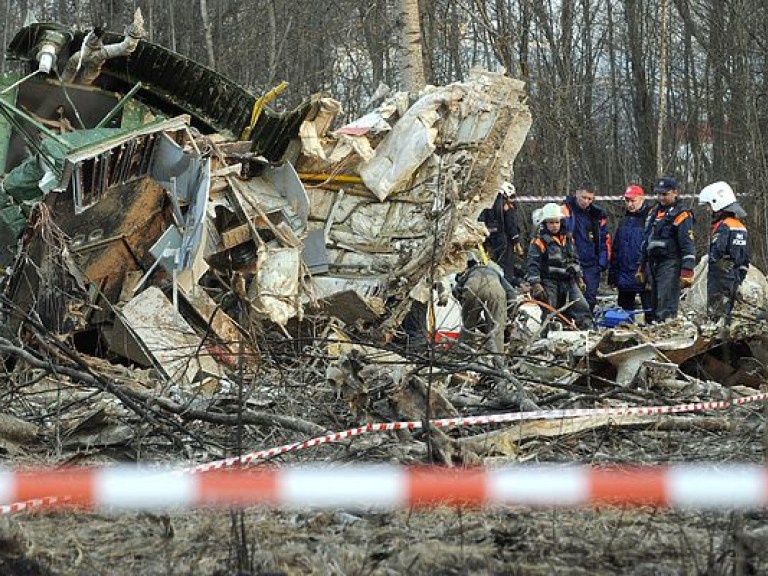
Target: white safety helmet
718 195
537 217
551 211
507 189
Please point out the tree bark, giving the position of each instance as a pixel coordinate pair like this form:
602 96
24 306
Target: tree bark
412 62
208 34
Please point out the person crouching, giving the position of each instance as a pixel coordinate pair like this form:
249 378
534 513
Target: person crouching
485 297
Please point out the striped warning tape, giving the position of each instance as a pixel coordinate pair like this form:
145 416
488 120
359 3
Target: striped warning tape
474 421
252 457
616 198
375 487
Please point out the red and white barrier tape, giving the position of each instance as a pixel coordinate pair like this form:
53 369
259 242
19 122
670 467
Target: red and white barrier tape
559 199
252 457
388 487
474 421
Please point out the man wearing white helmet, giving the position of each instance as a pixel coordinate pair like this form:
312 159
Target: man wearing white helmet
503 242
553 268
728 249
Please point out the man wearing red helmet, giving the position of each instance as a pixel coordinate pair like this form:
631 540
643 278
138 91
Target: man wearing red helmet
627 242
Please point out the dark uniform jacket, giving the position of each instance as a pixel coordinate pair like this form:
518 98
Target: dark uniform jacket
728 252
669 235
590 233
626 243
503 231
552 257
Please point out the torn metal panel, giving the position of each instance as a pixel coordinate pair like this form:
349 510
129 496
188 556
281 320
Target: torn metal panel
628 361
405 148
169 338
481 125
191 261
175 168
316 125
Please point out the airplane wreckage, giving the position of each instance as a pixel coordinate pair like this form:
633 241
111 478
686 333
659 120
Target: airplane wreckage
143 190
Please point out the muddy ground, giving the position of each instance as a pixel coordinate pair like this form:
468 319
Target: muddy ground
443 541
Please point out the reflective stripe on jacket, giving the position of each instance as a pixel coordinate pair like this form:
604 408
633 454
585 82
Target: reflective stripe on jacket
669 235
552 257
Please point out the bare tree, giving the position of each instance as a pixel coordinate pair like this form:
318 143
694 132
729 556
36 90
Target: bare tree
208 33
412 63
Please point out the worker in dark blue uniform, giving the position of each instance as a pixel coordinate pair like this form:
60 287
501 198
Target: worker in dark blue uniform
626 243
503 244
667 256
588 224
553 269
728 250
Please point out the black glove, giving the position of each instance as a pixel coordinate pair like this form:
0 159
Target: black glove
742 273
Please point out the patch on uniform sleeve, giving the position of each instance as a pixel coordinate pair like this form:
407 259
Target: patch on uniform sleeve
690 234
739 240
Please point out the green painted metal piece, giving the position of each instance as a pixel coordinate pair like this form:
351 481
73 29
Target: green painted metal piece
119 106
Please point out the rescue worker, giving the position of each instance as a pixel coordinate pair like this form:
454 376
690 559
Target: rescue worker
588 224
553 269
625 253
503 243
485 296
728 250
667 255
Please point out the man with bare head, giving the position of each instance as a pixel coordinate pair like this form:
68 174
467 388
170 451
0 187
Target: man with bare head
588 224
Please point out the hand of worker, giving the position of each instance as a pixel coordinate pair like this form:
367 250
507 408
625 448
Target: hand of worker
742 273
519 249
686 278
581 284
640 276
538 292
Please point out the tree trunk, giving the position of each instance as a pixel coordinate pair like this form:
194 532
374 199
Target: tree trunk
641 97
172 24
412 63
208 34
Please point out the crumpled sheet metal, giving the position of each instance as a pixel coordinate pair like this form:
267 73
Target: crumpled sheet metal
386 226
274 291
406 147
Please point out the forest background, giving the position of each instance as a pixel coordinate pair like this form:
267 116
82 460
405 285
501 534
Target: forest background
621 91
